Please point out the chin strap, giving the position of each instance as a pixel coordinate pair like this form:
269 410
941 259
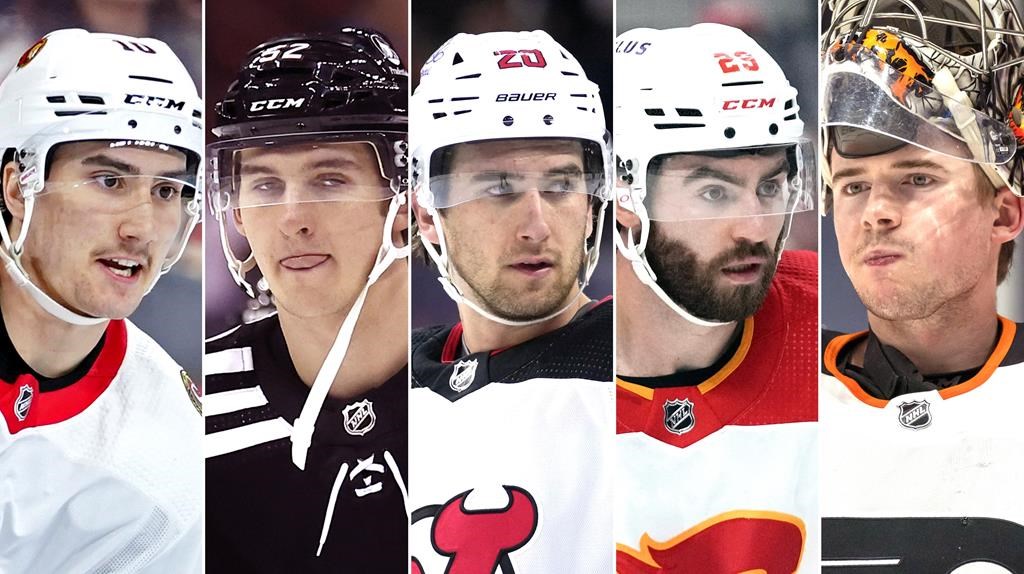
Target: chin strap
302 430
441 261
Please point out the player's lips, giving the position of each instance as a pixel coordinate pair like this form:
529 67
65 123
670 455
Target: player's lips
533 266
745 270
304 261
881 257
122 268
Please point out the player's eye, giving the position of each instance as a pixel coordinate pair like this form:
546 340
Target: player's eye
167 191
715 193
855 188
768 189
108 181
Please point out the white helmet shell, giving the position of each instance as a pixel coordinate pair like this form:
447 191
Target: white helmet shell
705 87
74 85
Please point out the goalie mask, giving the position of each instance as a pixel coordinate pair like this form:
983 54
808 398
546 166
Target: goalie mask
943 76
518 91
104 94
338 98
717 141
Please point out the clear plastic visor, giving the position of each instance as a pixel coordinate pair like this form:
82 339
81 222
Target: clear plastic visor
875 97
503 169
299 169
117 176
723 184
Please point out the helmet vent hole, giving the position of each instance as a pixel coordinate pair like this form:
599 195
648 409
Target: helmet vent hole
94 100
439 115
730 133
689 112
151 79
789 105
568 73
56 99
654 112
468 77
457 59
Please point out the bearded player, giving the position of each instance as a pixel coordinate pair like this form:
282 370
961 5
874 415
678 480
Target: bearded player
716 355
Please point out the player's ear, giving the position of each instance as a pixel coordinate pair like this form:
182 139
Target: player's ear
236 218
625 217
14 202
1009 220
424 221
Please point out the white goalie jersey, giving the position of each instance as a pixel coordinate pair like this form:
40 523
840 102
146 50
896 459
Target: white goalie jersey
926 481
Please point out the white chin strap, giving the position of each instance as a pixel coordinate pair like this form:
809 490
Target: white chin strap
11 254
302 431
441 261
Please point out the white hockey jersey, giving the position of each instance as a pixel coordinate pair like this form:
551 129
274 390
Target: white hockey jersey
510 453
101 470
716 470
927 481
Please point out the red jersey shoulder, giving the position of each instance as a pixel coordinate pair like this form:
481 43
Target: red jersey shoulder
784 348
797 280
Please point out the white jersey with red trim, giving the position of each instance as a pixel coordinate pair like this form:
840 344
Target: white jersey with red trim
101 470
510 452
716 470
930 480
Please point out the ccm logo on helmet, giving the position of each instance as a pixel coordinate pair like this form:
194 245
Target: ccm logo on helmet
749 104
154 101
279 104
534 97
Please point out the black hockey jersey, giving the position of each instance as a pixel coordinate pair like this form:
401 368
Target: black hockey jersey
345 512
511 450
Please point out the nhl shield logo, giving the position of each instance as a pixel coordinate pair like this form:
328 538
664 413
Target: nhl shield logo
23 403
359 418
915 414
679 417
462 375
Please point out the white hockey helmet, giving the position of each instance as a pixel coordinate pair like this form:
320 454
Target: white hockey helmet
705 88
942 75
501 86
74 86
